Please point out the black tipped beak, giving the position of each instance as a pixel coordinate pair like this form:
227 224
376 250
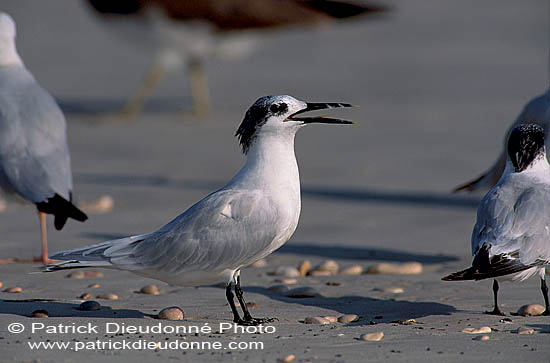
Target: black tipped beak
314 106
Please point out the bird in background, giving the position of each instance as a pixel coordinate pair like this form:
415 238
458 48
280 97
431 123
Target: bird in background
185 33
34 157
536 111
511 238
254 214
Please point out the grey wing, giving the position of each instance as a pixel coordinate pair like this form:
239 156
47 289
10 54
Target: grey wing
34 157
515 226
223 231
493 217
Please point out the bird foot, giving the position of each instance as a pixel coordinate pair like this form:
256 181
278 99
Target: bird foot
254 321
495 311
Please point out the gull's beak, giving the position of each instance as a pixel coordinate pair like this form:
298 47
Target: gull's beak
321 119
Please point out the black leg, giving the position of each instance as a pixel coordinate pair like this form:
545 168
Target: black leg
496 310
544 289
247 318
229 295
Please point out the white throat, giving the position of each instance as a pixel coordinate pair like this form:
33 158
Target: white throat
8 53
271 164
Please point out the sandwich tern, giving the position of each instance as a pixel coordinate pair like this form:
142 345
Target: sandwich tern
254 214
34 157
512 233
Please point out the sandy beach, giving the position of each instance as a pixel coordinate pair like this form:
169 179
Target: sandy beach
438 84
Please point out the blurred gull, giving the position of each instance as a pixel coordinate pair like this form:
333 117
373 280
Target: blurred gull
187 32
246 220
536 111
512 233
34 157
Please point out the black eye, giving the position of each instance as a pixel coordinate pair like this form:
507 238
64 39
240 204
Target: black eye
278 108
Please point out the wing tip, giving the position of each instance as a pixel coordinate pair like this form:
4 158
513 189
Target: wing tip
471 185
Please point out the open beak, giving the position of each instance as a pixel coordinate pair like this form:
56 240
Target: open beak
321 119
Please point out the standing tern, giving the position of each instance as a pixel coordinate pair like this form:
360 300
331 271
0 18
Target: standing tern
246 220
535 111
512 233
34 157
186 33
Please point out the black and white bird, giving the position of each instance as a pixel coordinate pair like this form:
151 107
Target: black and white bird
185 33
537 111
511 237
254 214
34 157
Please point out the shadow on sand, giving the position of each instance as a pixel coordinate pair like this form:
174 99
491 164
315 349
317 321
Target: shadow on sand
63 309
359 253
369 309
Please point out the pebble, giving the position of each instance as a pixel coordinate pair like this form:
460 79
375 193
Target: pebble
405 322
390 290
373 337
286 281
171 313
40 314
93 274
505 320
108 296
94 286
14 290
251 305
1 284
316 320
329 266
89 306
349 318
85 274
531 310
304 267
481 337
409 268
522 330
331 319
260 263
482 330
76 275
86 296
150 290
281 289
352 270
287 271
104 204
3 205
289 358
302 292
319 273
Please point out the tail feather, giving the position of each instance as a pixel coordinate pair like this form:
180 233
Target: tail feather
69 265
97 255
62 209
485 266
344 9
